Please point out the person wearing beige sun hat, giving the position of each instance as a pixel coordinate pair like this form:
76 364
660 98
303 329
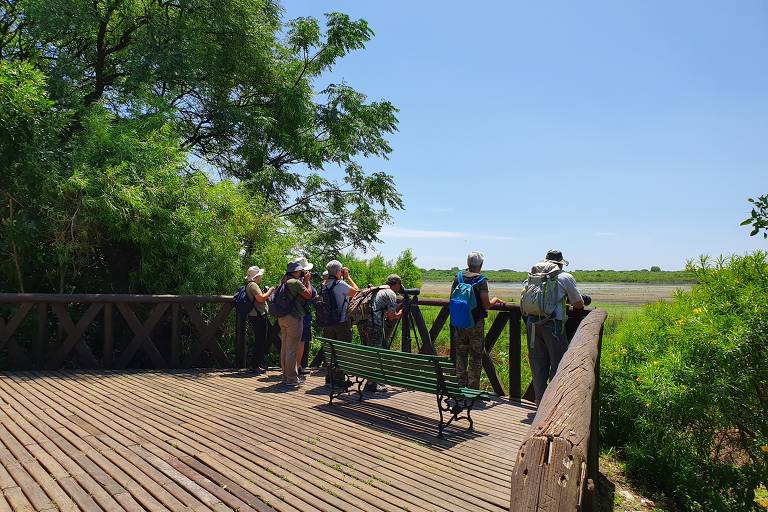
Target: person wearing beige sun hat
306 333
288 307
257 318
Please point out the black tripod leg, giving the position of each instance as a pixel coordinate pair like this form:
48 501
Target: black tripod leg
318 361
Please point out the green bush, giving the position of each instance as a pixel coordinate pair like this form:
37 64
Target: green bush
685 388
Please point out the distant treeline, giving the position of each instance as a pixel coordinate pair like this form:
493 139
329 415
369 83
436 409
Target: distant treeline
586 276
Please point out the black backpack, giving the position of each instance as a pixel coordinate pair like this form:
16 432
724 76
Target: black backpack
243 305
327 310
281 302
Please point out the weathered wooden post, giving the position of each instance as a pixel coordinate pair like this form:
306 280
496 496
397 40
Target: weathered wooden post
555 468
515 355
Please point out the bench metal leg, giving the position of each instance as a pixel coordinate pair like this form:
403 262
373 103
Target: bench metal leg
344 387
359 383
455 407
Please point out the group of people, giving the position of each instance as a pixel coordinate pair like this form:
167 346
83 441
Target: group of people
295 324
547 340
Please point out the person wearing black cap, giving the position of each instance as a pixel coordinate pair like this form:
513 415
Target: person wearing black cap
547 341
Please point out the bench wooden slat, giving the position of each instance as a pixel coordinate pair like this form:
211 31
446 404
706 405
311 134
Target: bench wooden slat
408 369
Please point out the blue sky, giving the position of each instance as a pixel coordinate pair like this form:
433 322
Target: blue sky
627 134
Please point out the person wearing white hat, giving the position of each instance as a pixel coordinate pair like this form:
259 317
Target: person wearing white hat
257 318
302 355
297 288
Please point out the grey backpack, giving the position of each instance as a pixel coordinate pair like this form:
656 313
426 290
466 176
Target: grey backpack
539 297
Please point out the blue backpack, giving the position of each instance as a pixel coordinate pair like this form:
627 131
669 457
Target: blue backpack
463 302
243 305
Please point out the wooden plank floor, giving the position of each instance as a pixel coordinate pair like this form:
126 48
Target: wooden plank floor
221 440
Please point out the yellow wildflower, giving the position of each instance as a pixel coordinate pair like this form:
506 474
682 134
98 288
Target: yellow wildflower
696 311
764 448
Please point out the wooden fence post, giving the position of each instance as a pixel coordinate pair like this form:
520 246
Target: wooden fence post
515 356
41 338
175 342
552 470
240 350
109 339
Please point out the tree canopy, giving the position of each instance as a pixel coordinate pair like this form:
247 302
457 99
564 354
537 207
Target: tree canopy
162 145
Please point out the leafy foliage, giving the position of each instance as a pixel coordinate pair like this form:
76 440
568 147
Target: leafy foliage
375 270
156 145
685 388
758 218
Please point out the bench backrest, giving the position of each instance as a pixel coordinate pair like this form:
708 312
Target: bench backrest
419 372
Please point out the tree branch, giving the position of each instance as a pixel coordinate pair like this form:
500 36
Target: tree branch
308 197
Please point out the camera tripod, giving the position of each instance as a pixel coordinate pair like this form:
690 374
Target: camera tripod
413 323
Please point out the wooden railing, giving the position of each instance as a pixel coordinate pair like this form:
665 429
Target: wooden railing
509 317
116 331
50 331
557 465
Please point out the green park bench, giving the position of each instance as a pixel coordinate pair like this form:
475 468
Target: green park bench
416 372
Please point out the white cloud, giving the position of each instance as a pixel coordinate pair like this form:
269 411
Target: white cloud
395 232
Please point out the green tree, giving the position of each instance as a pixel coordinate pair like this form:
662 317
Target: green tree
406 268
208 115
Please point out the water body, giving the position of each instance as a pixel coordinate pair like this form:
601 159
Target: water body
610 293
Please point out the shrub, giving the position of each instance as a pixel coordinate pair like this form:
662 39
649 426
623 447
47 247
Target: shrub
685 388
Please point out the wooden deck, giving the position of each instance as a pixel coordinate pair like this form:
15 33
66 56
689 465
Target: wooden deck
221 440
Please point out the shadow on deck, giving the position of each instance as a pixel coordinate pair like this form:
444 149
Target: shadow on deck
224 440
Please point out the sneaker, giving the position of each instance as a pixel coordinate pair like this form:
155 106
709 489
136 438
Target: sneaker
381 388
304 371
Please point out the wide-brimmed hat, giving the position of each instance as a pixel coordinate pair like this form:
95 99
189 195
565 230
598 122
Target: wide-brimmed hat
293 266
305 265
253 272
556 256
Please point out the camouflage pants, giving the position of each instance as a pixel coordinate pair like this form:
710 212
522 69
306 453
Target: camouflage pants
470 346
371 334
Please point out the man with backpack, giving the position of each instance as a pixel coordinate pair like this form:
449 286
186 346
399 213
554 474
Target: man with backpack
469 308
331 304
288 306
370 309
546 293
